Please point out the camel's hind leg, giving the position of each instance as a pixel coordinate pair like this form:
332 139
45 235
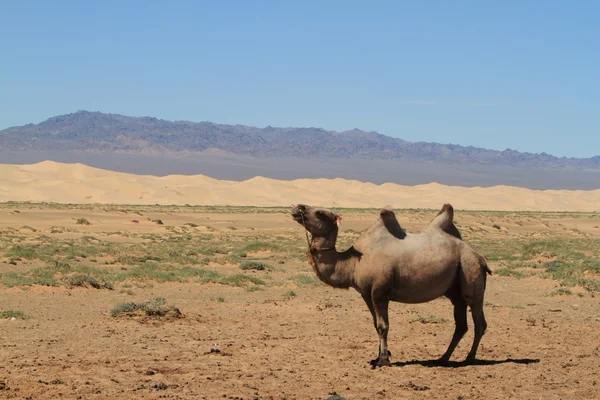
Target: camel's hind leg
474 276
480 327
460 321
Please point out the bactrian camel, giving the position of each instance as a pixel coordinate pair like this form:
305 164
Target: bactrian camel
388 264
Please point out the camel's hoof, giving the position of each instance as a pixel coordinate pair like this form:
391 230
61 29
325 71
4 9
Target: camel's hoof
442 361
380 362
469 361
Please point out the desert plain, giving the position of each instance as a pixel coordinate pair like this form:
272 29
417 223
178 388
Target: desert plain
199 291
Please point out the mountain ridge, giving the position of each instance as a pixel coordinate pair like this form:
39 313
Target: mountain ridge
94 131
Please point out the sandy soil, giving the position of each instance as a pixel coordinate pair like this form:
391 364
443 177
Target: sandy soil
262 345
76 183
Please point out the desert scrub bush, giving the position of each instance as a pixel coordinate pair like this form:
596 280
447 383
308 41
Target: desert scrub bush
561 291
259 246
162 273
156 307
289 293
254 265
509 272
304 280
82 280
430 319
28 252
130 259
212 249
14 279
240 280
13 314
90 239
228 259
57 266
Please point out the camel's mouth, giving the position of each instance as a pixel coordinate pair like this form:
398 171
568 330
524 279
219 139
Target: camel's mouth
298 213
297 216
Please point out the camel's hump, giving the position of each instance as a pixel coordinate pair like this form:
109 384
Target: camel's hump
447 208
388 217
444 220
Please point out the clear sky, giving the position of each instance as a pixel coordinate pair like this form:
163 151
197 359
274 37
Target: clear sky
521 74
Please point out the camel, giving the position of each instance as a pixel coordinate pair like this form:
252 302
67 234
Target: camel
388 264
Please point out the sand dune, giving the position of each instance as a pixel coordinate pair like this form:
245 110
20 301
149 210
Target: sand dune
77 183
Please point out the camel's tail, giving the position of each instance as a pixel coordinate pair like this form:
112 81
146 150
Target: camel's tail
484 265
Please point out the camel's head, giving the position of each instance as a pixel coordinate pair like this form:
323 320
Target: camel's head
318 221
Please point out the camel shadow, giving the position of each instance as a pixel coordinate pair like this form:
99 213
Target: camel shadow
460 364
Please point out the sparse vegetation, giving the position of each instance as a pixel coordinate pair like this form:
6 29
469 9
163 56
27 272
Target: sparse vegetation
561 291
177 254
206 269
240 280
508 272
82 221
156 307
305 280
259 246
212 249
255 265
9 314
83 280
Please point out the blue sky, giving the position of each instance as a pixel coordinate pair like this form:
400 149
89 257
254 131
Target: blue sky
511 74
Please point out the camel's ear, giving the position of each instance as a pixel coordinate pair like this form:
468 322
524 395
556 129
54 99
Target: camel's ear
338 220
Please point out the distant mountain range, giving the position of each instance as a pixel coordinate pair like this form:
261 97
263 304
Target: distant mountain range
157 147
99 132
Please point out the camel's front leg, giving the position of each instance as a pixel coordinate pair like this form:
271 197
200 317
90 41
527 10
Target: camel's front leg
380 307
381 312
369 301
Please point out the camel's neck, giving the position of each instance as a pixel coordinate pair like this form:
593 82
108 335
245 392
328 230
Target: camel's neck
333 268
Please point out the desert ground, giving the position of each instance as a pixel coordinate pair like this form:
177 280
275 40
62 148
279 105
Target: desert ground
185 302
